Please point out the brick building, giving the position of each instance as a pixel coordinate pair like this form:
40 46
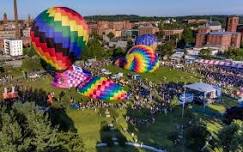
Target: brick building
210 37
1 43
240 29
201 39
177 32
92 27
223 40
116 26
232 23
4 35
5 18
26 41
147 30
7 34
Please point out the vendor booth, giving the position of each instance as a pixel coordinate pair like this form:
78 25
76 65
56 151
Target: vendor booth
203 91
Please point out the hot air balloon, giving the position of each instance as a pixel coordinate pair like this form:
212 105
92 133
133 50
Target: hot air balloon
70 78
140 59
102 88
148 40
59 35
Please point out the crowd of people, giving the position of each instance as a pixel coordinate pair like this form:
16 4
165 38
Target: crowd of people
148 97
230 79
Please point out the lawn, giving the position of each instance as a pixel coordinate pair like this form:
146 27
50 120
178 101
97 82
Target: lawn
163 74
88 122
88 125
44 83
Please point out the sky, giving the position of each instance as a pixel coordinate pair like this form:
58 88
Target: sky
135 7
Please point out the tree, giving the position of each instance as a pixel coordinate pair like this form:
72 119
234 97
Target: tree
196 136
233 113
187 35
10 132
186 38
129 44
192 133
231 137
30 51
118 52
205 53
166 49
94 49
174 102
31 64
25 128
111 35
234 53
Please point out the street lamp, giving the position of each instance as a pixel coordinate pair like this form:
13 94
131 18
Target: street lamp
183 104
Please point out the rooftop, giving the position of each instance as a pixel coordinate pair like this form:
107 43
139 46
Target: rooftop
214 23
222 33
201 87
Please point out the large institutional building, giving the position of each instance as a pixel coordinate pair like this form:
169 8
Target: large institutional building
232 23
15 29
213 36
13 47
118 28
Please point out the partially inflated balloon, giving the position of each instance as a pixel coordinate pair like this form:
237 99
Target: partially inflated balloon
70 78
141 59
148 40
59 35
102 88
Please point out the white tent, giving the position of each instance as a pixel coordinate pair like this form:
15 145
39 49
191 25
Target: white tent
205 89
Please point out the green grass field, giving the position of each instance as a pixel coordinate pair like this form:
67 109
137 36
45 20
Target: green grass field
88 122
163 74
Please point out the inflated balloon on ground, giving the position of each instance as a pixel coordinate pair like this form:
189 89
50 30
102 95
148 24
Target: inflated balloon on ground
140 59
102 88
59 36
70 78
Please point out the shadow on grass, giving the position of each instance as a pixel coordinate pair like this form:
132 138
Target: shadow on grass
163 131
57 114
60 118
115 140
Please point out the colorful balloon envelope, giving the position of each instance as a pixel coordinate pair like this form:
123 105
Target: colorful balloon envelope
102 88
148 40
59 35
70 78
141 59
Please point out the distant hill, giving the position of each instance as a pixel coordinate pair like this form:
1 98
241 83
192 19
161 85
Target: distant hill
134 18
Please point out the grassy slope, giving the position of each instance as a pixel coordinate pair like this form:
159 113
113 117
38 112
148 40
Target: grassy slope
163 74
88 122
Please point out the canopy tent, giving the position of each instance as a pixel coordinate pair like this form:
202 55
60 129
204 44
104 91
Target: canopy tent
240 93
202 87
205 89
186 97
221 63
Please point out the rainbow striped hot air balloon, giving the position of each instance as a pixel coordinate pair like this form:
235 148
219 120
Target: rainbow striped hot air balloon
102 88
59 35
148 40
141 59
